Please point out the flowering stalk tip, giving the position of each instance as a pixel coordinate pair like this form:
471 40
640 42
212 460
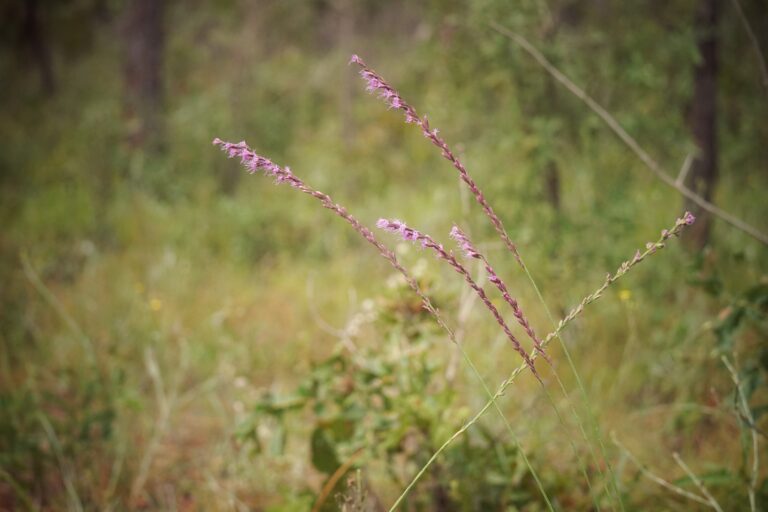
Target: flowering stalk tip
464 244
375 83
469 250
399 227
650 248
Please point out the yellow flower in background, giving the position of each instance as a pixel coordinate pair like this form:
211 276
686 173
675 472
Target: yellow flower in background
155 304
625 295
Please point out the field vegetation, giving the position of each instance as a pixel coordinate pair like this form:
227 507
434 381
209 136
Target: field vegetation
179 334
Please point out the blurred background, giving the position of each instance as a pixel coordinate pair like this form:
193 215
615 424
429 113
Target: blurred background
180 335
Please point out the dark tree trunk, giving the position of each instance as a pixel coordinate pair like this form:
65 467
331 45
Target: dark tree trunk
346 12
35 42
552 184
102 11
551 169
562 14
441 499
703 123
143 39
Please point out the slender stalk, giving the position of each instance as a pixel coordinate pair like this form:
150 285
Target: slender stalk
68 475
750 420
429 243
585 397
385 91
21 493
254 162
754 41
710 499
627 139
166 403
471 252
53 301
334 479
650 249
655 478
377 84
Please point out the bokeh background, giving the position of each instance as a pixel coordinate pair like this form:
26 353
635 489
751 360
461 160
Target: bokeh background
180 335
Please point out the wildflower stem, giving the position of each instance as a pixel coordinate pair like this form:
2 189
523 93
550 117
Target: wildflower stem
428 242
583 392
627 139
49 297
750 420
710 499
471 252
654 477
651 248
385 91
254 162
754 41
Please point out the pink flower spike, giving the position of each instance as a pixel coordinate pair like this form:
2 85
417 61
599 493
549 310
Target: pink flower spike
375 82
254 162
429 243
464 244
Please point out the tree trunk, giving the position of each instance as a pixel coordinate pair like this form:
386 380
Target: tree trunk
552 184
143 39
562 14
703 123
346 14
34 40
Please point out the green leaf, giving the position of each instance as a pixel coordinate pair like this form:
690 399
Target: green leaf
759 410
277 440
717 476
324 456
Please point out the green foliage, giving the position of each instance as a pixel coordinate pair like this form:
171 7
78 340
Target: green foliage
236 285
390 401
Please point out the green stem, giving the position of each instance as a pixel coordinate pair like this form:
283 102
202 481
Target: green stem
623 269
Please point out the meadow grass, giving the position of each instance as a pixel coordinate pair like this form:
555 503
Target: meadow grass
145 319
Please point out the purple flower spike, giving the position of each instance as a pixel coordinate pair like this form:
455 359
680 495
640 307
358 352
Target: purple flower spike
686 220
254 162
396 226
376 83
393 226
231 149
408 234
411 235
464 243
